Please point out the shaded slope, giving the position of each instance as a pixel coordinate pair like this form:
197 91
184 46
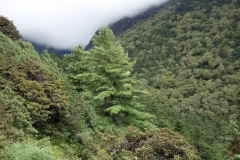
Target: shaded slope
126 23
200 48
189 52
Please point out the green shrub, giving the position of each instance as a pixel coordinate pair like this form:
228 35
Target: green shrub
27 151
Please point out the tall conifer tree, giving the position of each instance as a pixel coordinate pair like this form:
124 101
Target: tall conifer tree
108 83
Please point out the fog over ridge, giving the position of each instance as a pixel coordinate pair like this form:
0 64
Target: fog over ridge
64 24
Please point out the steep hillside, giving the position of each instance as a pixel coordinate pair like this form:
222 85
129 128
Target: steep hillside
89 109
189 53
129 22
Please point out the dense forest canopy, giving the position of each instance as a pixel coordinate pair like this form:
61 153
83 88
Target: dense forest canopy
165 88
189 53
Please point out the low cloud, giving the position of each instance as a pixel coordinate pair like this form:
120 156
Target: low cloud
63 24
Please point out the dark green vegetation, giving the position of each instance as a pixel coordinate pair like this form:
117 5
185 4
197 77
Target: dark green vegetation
86 106
7 27
176 97
189 54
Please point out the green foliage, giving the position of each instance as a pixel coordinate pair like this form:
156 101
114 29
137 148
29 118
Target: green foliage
153 144
186 56
15 119
232 147
34 101
103 76
50 64
188 52
7 27
43 93
36 150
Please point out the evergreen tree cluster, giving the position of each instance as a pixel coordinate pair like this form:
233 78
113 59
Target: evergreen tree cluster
103 75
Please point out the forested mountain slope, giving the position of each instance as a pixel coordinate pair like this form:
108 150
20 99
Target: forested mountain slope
129 22
90 108
188 52
176 97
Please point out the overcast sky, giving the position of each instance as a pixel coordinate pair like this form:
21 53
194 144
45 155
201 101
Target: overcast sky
64 24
